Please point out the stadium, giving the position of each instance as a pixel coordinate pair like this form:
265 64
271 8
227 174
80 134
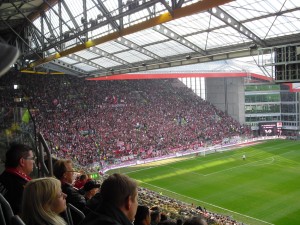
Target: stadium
196 101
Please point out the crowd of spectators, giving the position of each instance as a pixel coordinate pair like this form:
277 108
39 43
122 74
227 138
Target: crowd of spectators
105 121
173 209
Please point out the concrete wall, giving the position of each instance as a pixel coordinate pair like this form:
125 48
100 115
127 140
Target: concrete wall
228 95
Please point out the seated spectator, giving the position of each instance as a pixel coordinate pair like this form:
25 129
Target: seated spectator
142 216
90 189
43 201
63 170
195 221
18 166
167 222
81 181
155 216
119 202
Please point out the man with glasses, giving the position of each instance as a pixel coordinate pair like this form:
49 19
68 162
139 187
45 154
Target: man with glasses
19 164
64 171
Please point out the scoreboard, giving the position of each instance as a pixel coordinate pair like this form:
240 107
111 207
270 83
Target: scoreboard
268 129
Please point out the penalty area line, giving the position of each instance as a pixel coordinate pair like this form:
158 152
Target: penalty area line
197 200
234 167
135 171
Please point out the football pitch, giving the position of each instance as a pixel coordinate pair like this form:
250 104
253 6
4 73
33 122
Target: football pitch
263 189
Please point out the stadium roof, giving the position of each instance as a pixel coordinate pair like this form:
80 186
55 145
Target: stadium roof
106 37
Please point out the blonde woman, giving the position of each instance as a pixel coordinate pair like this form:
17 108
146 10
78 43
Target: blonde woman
42 202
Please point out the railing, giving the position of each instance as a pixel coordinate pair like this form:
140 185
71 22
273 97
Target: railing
42 151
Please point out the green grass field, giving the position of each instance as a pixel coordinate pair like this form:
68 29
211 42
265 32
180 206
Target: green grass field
263 189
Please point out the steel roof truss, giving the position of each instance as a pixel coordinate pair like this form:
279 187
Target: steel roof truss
233 23
70 15
176 37
107 14
138 48
58 65
101 53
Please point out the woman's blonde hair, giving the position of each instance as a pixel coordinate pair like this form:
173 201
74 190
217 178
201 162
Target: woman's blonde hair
38 196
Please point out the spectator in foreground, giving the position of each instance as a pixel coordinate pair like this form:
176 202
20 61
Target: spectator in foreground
43 201
90 188
142 216
18 166
195 221
119 202
64 171
155 215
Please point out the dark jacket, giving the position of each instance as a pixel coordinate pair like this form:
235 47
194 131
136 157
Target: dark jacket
76 199
12 187
106 214
73 196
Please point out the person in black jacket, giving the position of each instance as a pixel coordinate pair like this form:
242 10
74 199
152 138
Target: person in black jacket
19 164
118 203
64 171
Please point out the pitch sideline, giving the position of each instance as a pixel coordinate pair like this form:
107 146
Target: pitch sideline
265 222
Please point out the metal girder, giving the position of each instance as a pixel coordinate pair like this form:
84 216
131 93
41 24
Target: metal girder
169 8
100 52
16 33
107 14
31 24
70 15
58 14
178 4
103 23
163 18
134 46
121 24
44 7
50 28
85 18
176 37
36 38
233 23
12 12
58 65
182 62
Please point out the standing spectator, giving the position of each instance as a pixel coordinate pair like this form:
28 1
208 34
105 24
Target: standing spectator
119 202
18 166
43 201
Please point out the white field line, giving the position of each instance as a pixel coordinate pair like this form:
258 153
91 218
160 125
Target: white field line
248 164
265 222
231 168
134 171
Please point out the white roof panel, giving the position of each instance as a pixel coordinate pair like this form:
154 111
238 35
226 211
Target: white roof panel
68 60
133 56
145 37
105 62
112 47
87 54
85 67
169 48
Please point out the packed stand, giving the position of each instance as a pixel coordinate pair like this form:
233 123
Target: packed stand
112 121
